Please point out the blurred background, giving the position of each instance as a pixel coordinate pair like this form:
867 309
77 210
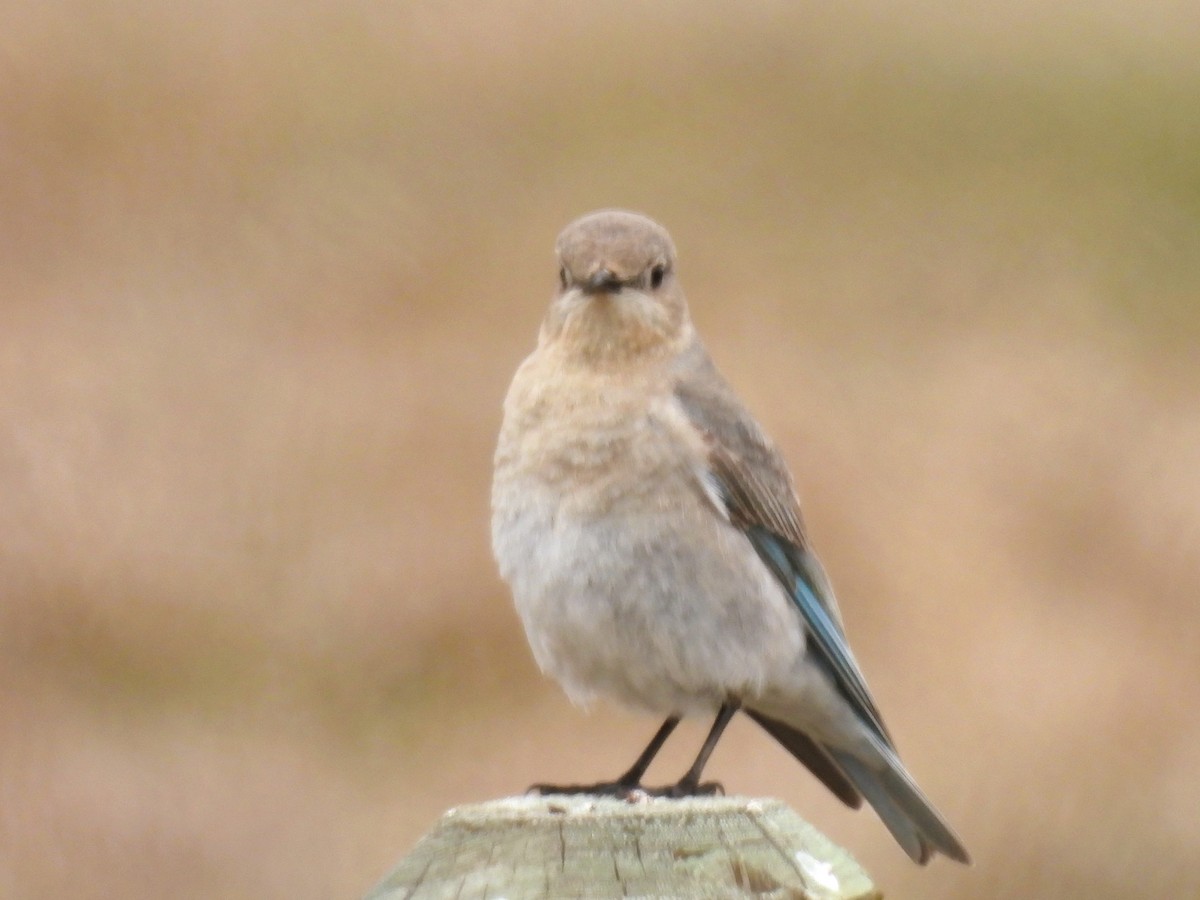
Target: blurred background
268 267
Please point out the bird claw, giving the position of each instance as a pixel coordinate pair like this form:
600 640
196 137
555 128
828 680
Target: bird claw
617 789
624 791
689 789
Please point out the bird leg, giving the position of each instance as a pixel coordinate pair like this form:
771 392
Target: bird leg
690 785
629 782
687 786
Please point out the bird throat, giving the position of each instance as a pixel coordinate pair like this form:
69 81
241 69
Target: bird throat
611 330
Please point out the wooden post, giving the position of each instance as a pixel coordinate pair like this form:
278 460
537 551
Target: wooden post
578 846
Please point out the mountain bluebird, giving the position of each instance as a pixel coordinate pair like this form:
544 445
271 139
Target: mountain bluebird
652 538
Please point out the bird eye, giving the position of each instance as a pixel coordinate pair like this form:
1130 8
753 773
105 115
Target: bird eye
656 275
562 276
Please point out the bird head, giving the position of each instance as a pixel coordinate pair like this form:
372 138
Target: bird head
618 298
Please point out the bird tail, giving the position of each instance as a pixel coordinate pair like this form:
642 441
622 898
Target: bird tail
906 812
814 756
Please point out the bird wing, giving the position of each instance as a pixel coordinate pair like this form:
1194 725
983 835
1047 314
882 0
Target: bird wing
748 476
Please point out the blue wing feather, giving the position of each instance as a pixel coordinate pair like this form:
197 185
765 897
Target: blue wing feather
795 570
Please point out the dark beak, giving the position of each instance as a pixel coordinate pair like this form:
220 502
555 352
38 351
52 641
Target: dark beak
602 281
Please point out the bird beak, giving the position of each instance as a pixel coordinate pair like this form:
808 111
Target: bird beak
602 281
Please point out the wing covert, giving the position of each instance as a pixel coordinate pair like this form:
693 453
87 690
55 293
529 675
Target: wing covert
757 492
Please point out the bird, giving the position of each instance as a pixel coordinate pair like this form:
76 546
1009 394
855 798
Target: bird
651 536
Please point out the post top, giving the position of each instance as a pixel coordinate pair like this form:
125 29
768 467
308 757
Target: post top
567 845
640 806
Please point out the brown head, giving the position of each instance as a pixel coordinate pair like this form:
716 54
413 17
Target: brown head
618 298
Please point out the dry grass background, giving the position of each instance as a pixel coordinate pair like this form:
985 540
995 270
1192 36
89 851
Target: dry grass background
268 267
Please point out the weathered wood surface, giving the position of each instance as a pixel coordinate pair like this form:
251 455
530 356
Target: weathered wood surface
563 847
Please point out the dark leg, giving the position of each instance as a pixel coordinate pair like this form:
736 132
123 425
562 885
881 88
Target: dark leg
689 785
627 783
633 778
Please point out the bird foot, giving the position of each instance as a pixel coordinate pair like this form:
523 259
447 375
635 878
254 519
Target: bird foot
623 790
687 788
620 789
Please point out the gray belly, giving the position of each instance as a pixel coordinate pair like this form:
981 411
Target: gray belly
662 606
